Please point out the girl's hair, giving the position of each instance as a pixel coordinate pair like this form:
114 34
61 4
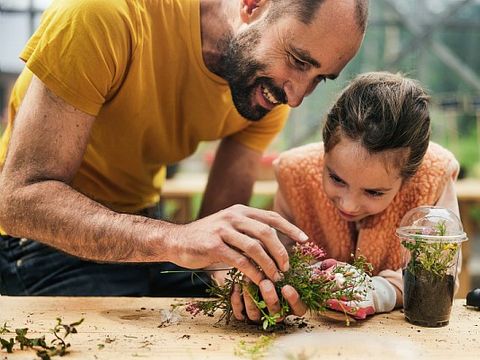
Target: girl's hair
382 111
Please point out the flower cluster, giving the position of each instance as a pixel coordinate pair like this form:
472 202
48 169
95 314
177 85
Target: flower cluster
193 308
310 249
316 281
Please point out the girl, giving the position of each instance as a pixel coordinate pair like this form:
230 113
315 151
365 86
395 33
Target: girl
350 192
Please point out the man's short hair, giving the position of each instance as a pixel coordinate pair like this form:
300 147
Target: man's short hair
305 10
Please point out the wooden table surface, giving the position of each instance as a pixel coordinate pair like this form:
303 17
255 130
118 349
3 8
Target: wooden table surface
127 328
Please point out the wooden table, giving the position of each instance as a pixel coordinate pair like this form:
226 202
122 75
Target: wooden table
126 328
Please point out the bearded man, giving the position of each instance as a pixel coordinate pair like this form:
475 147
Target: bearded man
112 92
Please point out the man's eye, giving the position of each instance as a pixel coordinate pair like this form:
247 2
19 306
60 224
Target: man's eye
297 63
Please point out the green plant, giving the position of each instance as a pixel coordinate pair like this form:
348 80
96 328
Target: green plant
433 257
44 351
315 286
256 350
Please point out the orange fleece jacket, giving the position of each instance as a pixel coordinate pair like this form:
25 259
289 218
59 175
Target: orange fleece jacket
299 174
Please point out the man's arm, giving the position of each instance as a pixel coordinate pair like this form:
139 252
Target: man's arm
231 178
46 148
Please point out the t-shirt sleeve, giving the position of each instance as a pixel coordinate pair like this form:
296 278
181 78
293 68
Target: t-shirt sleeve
259 134
81 51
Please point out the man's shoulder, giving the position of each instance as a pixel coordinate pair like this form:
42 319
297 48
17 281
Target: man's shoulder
91 16
99 7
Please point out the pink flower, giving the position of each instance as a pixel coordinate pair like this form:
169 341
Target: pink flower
193 308
310 249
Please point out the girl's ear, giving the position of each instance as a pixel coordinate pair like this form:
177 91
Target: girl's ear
250 10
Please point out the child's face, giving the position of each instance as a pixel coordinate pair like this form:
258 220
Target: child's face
359 184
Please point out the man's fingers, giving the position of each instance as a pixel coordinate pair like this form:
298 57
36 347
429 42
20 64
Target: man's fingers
236 259
268 237
237 302
253 249
297 306
253 312
269 295
276 221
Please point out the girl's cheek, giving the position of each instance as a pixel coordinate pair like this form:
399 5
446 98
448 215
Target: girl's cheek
379 206
330 191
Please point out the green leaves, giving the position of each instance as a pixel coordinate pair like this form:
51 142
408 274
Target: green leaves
315 287
7 345
257 350
43 350
4 329
434 257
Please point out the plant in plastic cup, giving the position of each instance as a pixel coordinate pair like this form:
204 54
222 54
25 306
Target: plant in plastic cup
432 237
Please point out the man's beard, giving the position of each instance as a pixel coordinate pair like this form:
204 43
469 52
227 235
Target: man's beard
240 70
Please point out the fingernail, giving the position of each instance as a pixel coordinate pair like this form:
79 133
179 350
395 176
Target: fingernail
287 291
303 237
286 266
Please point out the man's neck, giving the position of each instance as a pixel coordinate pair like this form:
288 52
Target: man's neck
217 19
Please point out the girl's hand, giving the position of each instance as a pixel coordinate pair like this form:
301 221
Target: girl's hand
380 296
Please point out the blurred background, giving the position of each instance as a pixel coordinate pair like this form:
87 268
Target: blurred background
435 41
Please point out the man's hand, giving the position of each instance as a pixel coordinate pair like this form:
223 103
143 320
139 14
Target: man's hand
241 237
242 302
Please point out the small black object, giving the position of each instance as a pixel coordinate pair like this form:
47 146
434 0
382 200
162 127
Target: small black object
473 298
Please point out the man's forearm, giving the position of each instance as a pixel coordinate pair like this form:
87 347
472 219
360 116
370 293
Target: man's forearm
231 178
57 215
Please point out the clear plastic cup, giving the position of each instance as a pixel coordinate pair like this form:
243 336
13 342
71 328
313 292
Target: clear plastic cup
432 237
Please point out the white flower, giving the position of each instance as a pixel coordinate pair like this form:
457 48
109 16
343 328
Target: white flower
339 279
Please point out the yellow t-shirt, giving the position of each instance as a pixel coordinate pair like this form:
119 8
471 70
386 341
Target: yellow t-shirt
138 67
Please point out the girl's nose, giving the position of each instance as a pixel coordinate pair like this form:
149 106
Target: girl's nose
349 204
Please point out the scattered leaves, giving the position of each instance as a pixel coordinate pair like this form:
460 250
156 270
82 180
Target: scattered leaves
256 350
57 347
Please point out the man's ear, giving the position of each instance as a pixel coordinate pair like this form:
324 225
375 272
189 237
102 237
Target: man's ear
250 10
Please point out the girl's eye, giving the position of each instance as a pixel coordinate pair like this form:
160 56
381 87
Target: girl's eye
336 179
374 193
297 63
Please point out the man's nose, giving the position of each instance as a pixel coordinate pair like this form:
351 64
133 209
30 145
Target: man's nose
295 91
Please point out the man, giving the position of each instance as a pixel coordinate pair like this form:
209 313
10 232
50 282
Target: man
115 90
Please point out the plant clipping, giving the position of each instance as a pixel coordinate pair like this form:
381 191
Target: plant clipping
315 286
57 347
